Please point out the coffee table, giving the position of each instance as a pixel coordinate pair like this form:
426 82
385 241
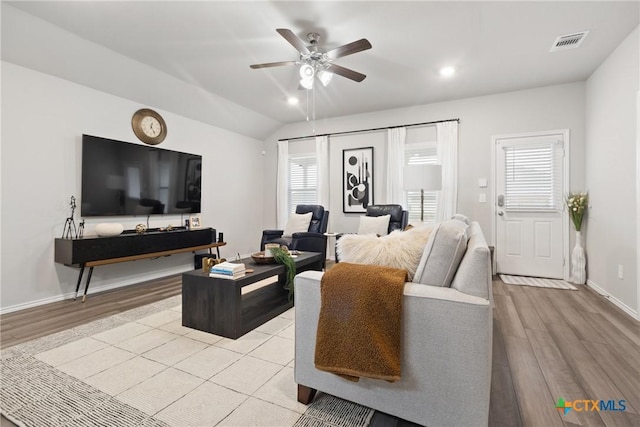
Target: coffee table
218 306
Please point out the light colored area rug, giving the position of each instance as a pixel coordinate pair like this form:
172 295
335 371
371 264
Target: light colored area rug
537 282
143 368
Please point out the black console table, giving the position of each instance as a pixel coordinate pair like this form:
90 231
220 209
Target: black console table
91 251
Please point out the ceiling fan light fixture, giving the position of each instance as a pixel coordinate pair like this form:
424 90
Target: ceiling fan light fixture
325 77
307 83
307 71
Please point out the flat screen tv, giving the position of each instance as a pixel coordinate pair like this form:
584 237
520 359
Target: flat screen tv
120 178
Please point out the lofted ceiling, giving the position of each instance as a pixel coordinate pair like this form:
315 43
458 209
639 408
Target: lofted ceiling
494 46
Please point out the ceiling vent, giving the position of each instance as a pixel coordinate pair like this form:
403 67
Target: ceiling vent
570 41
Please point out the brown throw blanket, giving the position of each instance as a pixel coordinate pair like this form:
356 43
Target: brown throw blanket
359 328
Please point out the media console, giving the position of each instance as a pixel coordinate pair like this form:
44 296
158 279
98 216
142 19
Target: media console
91 251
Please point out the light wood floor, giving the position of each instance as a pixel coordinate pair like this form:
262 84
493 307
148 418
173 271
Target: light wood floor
547 344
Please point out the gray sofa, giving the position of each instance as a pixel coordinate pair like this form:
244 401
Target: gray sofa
446 353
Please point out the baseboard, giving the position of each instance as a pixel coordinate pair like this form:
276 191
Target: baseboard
622 306
92 290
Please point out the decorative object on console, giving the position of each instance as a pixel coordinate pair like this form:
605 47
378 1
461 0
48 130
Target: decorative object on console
357 176
70 224
423 178
263 258
577 204
268 247
282 256
149 126
195 222
141 229
220 237
106 229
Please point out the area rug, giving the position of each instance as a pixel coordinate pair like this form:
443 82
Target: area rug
538 282
47 382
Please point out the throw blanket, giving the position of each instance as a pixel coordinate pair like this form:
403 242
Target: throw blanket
359 328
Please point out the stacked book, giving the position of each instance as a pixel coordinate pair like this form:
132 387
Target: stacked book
227 270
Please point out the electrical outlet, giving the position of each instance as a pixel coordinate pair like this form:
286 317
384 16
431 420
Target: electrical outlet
620 271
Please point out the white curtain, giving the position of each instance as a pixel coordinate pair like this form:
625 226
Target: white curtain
282 185
322 161
396 138
447 135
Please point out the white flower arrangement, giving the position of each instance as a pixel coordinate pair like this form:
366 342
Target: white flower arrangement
577 206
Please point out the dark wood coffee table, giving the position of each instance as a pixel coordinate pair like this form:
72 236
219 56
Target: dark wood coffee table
218 306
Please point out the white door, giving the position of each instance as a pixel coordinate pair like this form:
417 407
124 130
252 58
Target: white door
529 205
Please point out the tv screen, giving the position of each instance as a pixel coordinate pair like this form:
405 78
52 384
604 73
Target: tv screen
120 178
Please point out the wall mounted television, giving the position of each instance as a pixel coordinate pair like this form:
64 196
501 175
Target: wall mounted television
121 178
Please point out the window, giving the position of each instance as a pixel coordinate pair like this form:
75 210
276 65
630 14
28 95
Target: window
421 153
532 177
303 173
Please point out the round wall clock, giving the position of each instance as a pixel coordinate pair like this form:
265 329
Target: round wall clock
149 126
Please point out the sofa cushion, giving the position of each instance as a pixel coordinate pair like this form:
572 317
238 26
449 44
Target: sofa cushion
462 218
474 271
400 249
442 254
298 223
378 225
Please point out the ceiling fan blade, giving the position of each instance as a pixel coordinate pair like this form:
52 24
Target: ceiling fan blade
294 40
272 64
346 72
349 48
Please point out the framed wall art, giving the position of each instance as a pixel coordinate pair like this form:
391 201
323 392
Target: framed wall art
357 179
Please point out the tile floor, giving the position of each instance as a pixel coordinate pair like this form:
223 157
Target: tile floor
183 376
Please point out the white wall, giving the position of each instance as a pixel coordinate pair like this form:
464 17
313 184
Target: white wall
547 108
43 120
611 177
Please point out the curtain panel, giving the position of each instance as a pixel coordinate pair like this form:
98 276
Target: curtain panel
447 136
282 185
396 138
322 159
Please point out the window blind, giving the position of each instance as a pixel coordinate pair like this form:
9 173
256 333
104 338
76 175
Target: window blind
303 172
421 154
533 178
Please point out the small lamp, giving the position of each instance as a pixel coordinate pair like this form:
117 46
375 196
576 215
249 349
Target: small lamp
423 178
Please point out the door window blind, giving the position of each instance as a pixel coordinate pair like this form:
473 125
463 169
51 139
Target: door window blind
421 154
533 178
303 175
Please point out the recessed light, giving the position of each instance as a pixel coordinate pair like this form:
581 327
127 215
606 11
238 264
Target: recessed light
447 71
292 100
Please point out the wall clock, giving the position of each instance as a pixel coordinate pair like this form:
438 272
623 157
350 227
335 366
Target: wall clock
149 126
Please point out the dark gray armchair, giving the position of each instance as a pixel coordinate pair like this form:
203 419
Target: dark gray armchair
312 240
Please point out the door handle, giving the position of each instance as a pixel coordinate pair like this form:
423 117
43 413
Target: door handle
500 213
501 200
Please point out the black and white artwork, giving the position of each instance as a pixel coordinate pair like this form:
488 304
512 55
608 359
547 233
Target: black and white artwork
357 176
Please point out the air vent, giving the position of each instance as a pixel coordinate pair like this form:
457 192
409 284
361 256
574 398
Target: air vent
570 41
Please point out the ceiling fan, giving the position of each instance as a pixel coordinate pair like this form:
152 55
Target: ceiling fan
316 62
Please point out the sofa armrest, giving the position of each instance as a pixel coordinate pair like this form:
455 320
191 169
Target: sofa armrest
447 352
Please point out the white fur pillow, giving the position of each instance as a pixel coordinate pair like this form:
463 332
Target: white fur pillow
298 223
400 249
